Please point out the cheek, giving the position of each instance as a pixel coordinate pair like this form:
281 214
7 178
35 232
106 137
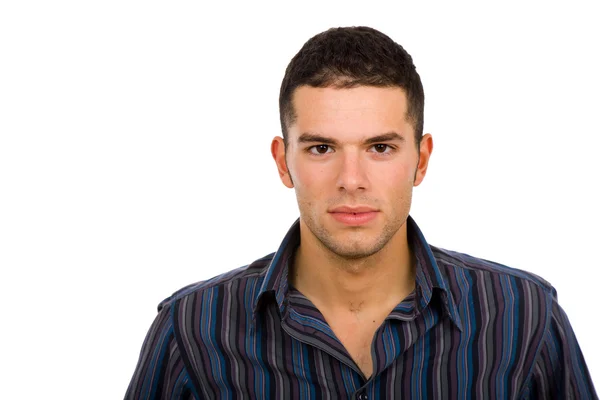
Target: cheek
313 189
310 189
392 173
393 183
311 178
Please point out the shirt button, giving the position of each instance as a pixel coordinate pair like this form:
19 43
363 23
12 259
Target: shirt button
363 396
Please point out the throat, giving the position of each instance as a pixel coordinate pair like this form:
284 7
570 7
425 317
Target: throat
356 307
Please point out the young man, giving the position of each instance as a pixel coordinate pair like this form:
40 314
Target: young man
355 303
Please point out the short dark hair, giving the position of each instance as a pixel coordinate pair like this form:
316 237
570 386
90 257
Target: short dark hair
350 57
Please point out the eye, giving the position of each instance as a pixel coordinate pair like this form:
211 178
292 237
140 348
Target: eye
320 149
382 148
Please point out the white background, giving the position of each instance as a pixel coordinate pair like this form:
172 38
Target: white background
134 159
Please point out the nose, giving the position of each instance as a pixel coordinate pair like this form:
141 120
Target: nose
352 176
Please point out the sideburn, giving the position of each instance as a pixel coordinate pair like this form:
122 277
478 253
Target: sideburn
288 169
416 168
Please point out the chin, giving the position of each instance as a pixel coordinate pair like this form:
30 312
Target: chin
352 249
357 254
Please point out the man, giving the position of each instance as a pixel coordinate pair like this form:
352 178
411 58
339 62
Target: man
355 303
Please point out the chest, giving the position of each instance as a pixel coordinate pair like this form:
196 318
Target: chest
282 361
357 338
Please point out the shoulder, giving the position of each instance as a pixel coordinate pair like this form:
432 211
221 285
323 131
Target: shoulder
453 262
248 275
487 289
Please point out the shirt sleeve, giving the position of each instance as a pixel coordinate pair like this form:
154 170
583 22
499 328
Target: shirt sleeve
160 372
560 371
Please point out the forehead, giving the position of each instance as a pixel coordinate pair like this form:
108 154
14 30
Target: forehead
349 112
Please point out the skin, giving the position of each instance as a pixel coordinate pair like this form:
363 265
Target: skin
337 155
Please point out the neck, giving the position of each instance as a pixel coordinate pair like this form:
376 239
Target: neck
378 281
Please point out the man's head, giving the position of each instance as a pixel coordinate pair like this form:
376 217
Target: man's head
352 116
347 58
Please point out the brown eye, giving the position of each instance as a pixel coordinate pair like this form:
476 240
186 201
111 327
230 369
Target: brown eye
320 149
380 148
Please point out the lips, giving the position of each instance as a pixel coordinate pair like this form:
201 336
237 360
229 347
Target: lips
353 216
352 210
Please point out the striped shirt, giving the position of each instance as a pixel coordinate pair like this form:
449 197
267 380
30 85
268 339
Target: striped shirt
471 329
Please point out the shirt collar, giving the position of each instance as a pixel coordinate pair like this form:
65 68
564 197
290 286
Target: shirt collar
428 275
275 281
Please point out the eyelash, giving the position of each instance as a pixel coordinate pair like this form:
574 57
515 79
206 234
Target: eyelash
311 148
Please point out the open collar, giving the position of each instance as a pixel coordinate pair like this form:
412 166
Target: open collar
428 275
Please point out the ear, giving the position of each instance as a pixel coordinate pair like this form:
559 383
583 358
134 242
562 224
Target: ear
425 149
278 153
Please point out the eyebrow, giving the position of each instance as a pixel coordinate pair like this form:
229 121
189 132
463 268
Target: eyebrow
308 137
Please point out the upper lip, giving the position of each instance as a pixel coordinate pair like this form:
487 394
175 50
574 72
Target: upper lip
355 209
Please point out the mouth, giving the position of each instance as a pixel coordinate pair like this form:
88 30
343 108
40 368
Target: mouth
354 216
353 209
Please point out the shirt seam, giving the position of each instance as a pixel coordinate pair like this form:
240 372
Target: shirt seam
538 350
516 274
187 365
459 263
207 285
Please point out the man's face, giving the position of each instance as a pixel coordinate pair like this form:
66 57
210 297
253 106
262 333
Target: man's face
353 161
